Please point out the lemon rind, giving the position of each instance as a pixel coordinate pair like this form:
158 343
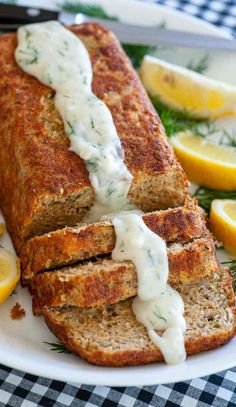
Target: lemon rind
177 144
218 207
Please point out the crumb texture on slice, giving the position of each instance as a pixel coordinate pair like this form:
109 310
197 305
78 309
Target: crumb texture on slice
93 284
111 335
70 245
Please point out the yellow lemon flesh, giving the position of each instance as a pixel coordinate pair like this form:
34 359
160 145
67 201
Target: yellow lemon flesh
223 223
206 163
9 273
2 228
183 89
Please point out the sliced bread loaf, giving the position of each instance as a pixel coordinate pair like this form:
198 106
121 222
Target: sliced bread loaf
70 245
111 336
106 282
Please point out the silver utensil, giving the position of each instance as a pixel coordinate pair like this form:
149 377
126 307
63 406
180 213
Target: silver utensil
11 17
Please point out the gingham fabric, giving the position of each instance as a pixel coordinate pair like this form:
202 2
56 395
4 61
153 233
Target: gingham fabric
19 389
218 12
22 389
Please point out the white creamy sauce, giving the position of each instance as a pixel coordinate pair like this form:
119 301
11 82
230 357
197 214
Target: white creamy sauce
158 306
57 58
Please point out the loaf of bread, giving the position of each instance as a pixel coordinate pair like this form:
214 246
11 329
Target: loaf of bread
43 185
45 192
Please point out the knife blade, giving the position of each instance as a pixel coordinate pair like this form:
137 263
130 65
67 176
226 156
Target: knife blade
11 17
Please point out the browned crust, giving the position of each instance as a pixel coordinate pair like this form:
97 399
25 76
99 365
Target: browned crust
38 173
101 356
107 282
139 357
70 245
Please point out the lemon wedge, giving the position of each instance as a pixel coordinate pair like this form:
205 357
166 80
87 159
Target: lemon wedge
206 163
183 89
2 228
9 273
223 223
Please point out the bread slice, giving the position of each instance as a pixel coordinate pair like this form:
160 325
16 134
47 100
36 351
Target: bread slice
70 245
111 336
43 185
106 282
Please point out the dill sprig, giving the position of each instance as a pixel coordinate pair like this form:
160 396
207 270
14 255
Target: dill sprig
89 9
225 137
231 264
175 121
137 52
205 196
228 139
58 347
134 52
200 66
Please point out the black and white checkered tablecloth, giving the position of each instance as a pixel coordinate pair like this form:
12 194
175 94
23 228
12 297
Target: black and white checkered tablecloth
219 390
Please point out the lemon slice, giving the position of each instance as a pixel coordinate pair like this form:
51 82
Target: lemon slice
183 89
223 223
9 273
2 228
206 163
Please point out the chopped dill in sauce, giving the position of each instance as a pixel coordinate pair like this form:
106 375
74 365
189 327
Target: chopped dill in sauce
89 126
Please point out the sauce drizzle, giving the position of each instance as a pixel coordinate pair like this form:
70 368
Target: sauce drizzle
57 58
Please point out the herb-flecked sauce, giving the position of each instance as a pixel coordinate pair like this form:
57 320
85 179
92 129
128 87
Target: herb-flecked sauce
57 58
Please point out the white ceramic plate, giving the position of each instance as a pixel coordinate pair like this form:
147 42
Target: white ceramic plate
22 342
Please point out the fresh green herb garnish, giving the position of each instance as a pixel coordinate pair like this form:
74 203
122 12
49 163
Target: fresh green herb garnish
205 196
32 56
27 34
200 66
137 52
224 137
92 125
134 52
150 256
11 1
72 130
231 264
159 316
93 165
58 347
228 139
110 190
60 53
175 121
88 9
